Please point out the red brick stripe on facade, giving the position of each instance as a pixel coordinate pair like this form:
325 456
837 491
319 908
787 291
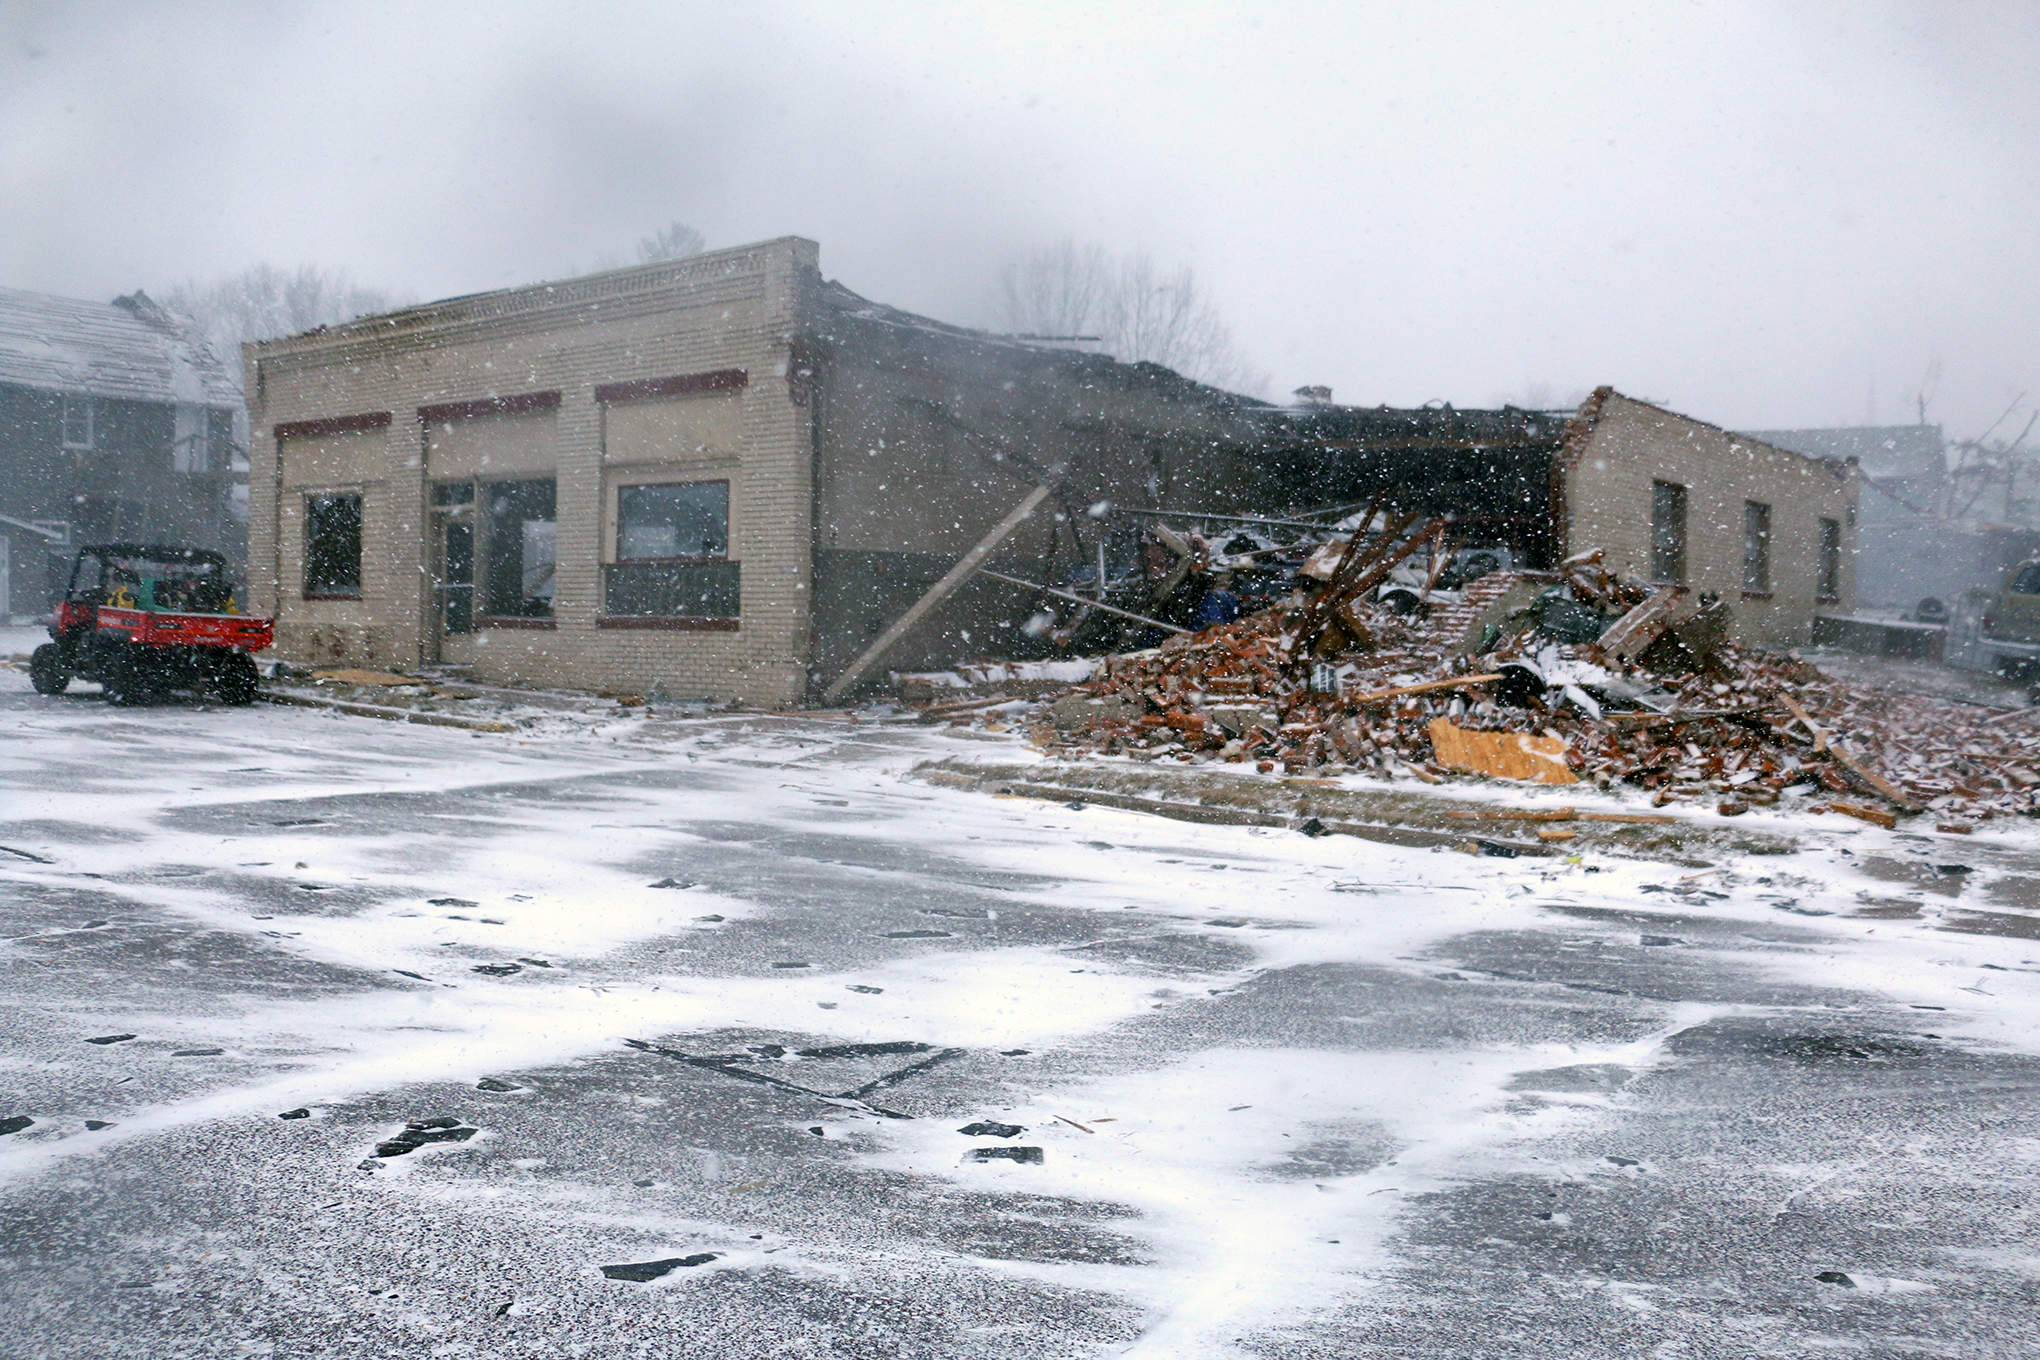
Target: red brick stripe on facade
515 404
677 625
312 429
721 380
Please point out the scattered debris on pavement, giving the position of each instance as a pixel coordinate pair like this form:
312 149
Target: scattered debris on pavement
419 1132
1027 1156
1572 676
986 1128
641 1272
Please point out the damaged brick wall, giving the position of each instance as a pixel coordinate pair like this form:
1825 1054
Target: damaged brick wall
1622 446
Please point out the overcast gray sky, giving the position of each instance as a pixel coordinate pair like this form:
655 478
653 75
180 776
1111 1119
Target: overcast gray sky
1765 214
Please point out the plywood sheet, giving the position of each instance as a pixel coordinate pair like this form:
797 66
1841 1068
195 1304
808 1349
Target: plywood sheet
1504 755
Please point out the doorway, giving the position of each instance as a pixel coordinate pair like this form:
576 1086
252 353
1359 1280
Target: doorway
452 554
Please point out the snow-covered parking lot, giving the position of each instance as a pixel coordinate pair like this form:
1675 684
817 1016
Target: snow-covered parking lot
721 990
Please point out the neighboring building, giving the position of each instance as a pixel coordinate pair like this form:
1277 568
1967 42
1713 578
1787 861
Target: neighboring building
116 424
1911 547
1669 498
715 476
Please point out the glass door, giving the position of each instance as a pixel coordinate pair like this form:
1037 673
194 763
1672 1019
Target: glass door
453 570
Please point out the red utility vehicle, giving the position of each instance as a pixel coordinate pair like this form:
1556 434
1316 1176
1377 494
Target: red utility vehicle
144 621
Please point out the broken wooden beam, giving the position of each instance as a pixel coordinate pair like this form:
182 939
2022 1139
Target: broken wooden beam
1629 635
1458 682
1083 600
1875 816
935 595
1870 779
1565 815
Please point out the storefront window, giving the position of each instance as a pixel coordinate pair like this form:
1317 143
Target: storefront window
519 557
672 553
333 546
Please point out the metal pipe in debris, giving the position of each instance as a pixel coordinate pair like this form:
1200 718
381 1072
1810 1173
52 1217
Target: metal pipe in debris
1227 519
1079 599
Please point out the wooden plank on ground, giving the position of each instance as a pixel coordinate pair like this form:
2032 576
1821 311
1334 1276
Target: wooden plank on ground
1458 682
1503 755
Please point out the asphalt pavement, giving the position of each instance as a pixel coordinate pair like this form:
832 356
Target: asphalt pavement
707 1001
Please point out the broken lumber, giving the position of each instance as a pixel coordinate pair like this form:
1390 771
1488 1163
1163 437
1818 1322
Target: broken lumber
937 712
1085 600
936 594
1503 755
1875 816
1458 682
1564 814
1876 783
1641 626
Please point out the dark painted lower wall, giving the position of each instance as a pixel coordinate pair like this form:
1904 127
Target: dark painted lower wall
859 594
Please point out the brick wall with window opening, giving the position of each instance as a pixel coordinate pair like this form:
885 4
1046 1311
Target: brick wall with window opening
1829 587
672 553
1756 553
333 547
1667 531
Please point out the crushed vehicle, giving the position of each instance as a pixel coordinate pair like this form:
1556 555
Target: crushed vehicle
145 621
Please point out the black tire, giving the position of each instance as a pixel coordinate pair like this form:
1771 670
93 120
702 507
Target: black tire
125 679
235 679
1403 601
47 671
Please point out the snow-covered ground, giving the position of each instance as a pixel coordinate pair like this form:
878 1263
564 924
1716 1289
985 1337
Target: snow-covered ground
1291 1096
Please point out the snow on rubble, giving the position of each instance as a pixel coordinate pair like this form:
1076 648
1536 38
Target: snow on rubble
1557 678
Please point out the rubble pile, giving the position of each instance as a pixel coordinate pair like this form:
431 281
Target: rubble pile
1563 677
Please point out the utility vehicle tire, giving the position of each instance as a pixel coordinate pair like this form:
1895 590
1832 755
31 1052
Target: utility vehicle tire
235 679
47 671
125 681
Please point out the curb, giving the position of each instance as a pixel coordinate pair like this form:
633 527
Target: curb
1408 837
388 714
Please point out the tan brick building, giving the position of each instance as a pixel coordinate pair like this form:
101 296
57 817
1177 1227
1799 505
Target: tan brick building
1675 499
1669 498
720 476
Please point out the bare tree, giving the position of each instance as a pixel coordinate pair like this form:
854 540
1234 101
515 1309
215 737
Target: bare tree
675 241
1984 465
1058 290
263 302
1137 310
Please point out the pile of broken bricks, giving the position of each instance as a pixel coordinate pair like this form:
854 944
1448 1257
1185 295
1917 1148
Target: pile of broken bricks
1552 678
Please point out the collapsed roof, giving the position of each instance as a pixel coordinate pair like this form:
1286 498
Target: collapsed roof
128 349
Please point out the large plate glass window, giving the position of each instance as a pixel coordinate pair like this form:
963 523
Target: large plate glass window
333 546
518 556
672 553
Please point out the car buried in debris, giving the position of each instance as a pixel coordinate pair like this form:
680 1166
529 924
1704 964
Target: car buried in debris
147 621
